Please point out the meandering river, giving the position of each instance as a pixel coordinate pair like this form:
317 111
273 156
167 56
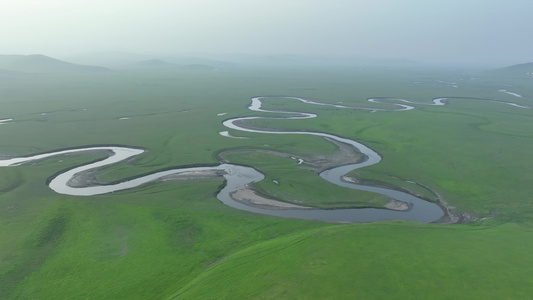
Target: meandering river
239 176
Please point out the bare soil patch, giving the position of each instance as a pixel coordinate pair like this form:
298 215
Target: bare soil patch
248 196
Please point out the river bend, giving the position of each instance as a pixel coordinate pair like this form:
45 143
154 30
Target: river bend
237 176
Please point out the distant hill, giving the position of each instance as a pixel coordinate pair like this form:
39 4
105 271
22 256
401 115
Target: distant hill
109 59
198 67
283 60
8 73
155 63
38 63
161 64
310 60
514 70
127 60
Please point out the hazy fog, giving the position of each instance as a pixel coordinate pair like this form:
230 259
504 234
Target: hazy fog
464 31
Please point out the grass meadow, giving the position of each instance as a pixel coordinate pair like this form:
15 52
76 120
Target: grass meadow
175 240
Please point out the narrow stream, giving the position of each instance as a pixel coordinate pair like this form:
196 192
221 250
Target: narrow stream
238 176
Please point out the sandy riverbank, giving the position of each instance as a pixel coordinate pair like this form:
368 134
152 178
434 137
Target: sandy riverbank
249 197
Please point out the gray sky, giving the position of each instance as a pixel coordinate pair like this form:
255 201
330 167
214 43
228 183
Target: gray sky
452 30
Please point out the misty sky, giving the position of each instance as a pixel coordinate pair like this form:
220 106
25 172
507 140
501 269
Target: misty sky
452 30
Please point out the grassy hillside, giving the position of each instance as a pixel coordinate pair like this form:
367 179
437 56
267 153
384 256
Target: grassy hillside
519 70
176 240
37 63
376 261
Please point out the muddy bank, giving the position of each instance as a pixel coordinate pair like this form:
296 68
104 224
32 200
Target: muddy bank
249 197
343 154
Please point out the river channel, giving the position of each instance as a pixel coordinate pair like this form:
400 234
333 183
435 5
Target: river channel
239 176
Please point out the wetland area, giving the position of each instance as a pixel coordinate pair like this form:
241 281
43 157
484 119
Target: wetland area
266 150
238 179
361 169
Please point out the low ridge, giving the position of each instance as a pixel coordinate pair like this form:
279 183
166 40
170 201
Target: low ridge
38 63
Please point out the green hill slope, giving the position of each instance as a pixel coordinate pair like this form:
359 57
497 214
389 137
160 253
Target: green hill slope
37 63
375 261
514 70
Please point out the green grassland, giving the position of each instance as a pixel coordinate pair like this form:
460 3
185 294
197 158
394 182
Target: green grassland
176 240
